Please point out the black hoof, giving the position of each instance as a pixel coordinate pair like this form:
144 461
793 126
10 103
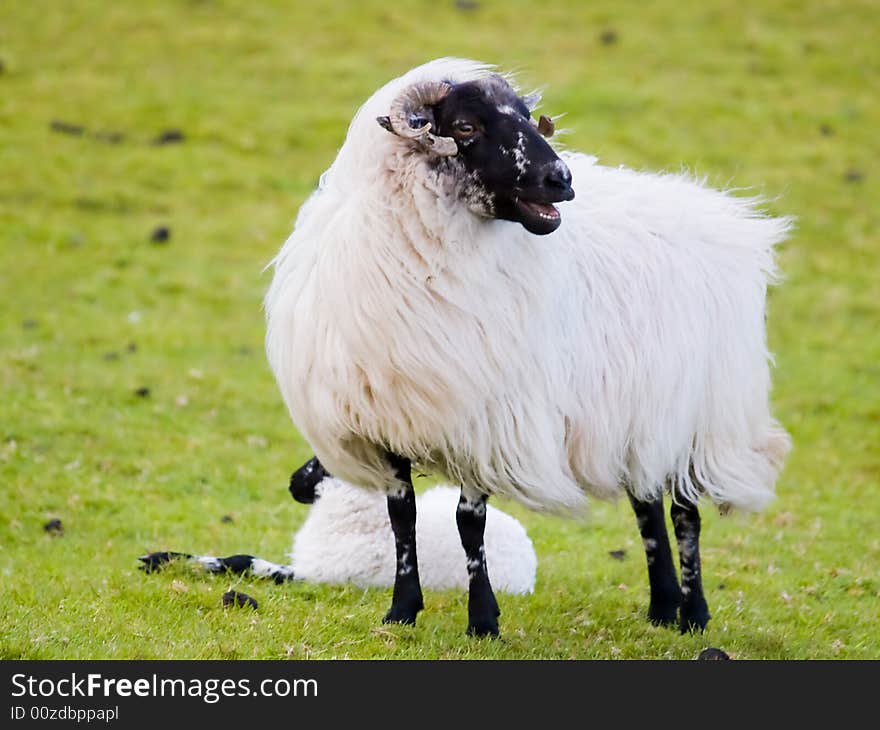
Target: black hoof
405 616
483 611
483 627
496 612
663 614
404 609
663 620
694 617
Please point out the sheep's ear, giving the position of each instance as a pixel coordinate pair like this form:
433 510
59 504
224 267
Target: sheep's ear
532 100
385 123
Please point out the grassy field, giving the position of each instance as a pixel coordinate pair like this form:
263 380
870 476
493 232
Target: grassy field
137 406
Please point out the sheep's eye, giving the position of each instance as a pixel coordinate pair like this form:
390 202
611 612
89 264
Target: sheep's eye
463 128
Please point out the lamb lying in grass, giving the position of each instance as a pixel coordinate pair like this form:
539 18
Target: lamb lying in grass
346 539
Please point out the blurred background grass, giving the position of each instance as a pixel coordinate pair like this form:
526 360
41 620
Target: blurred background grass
137 406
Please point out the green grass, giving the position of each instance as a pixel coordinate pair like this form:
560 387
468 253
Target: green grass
779 97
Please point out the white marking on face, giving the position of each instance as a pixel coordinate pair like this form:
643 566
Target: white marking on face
519 155
476 197
507 109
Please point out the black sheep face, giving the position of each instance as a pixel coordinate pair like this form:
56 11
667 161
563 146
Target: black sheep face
509 170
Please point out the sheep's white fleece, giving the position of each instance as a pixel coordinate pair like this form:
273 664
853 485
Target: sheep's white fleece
626 350
345 538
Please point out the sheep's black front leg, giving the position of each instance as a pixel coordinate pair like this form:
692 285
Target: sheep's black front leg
665 593
406 601
483 610
694 611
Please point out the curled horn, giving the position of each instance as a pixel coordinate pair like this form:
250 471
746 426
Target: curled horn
407 102
546 127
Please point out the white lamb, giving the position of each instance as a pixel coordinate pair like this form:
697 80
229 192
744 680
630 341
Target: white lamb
346 539
430 309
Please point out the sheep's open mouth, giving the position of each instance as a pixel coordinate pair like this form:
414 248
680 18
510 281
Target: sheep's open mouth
538 218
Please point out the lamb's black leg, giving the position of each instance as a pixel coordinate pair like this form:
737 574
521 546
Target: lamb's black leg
236 564
694 611
665 593
154 562
406 601
482 607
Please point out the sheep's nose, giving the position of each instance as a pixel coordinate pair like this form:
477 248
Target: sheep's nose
558 180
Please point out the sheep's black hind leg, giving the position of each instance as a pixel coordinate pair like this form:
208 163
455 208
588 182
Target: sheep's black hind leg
694 611
483 609
406 601
665 593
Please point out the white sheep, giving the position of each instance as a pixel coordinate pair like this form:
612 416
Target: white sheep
429 308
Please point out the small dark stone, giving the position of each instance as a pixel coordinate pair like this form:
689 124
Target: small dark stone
617 554
131 347
110 356
66 127
169 136
160 234
826 130
608 37
54 527
29 324
711 654
853 175
142 392
466 5
234 598
722 586
227 519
